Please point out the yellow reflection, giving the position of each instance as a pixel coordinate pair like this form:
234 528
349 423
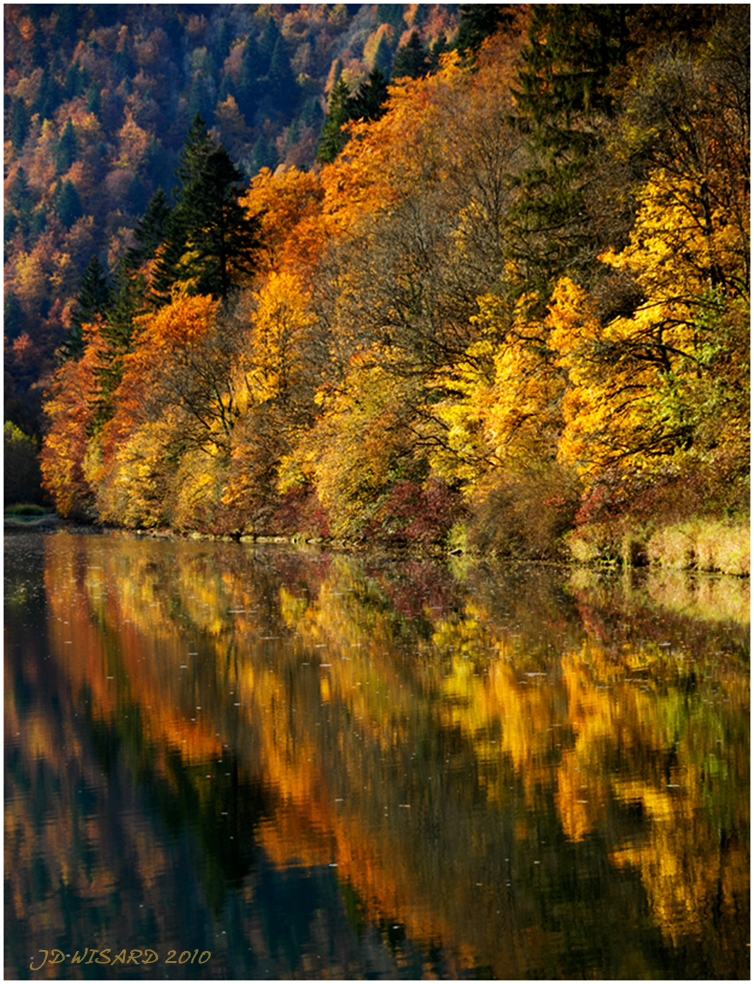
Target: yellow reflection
355 719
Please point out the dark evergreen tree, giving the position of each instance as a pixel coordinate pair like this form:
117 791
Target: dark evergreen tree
421 13
123 65
282 83
227 89
225 37
159 164
247 91
270 37
19 123
263 155
151 230
49 96
311 113
211 242
128 299
332 140
390 13
37 51
38 221
383 56
93 299
20 200
411 60
572 50
367 103
173 28
370 99
13 316
93 99
168 254
137 198
200 102
437 48
10 224
66 203
65 154
66 28
479 21
222 241
76 80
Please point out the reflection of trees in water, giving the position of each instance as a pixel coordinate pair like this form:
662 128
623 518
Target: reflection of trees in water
475 758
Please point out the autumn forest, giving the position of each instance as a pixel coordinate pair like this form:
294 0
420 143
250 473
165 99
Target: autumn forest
473 278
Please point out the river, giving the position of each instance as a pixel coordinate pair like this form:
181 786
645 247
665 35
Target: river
232 761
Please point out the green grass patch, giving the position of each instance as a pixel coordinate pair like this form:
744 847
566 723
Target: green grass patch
29 509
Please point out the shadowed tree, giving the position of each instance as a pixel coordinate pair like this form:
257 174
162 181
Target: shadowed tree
368 102
479 21
210 242
411 59
67 204
332 139
93 299
282 82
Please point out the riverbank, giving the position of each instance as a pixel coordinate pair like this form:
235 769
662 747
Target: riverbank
699 544
695 544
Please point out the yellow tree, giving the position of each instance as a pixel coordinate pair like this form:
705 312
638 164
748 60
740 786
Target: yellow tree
287 208
176 395
69 411
363 443
670 377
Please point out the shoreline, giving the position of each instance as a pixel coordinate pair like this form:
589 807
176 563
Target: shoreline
54 523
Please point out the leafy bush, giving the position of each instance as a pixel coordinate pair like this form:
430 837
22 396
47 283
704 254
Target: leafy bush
299 511
525 515
25 509
23 478
416 512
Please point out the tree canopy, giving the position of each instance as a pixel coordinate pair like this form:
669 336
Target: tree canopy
511 294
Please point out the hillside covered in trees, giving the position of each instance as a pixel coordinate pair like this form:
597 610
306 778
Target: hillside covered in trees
495 297
98 101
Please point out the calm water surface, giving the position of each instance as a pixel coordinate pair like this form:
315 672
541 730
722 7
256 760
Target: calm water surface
281 764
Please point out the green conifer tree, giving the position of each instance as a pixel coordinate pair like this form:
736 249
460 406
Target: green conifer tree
332 140
150 230
225 37
210 241
248 90
562 100
66 203
263 154
411 60
66 151
127 300
282 82
13 316
369 100
20 200
19 124
200 102
93 298
437 48
93 100
478 21
227 89
267 42
383 56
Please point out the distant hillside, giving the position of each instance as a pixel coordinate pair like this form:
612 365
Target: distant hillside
98 100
